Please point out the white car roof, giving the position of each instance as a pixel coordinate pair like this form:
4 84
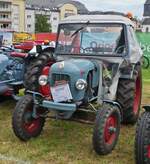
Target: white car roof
98 19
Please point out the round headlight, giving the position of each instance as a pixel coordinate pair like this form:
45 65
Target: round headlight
81 84
43 79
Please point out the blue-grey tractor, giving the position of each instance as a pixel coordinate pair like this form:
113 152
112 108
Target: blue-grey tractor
11 72
14 66
93 76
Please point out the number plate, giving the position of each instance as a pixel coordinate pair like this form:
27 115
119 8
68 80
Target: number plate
61 93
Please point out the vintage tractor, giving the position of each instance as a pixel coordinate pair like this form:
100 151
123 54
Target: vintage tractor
11 72
142 139
13 69
94 76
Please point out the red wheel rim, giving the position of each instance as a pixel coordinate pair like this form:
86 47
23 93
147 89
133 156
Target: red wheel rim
137 97
110 130
31 124
148 151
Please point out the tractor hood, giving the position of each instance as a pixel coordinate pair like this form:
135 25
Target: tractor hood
73 67
3 62
71 71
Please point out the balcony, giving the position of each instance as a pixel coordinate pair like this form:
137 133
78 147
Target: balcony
5 20
9 9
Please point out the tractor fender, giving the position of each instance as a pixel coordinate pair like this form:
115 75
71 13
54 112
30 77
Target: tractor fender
114 103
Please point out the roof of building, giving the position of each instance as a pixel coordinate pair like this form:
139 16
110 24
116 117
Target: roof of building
98 18
56 4
146 21
147 2
147 8
80 6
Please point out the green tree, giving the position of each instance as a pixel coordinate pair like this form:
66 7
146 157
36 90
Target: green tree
41 24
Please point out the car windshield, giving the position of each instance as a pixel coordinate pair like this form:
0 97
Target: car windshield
91 39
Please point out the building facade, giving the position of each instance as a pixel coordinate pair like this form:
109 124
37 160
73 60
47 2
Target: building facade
53 17
54 10
5 15
67 9
54 20
146 17
12 15
30 20
18 15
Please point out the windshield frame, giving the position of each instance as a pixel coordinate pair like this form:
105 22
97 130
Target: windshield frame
100 55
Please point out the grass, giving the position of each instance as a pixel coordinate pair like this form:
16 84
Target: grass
64 142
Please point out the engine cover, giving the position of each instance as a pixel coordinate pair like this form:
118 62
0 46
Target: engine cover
71 71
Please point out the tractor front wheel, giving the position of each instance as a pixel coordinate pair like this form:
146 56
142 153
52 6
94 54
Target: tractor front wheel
107 129
25 126
142 140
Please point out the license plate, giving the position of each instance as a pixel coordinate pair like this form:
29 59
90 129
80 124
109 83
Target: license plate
61 93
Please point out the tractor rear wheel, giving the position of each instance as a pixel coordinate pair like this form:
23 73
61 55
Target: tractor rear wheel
142 140
107 129
25 126
129 95
44 60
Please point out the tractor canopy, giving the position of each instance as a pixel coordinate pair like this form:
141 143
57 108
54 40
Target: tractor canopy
107 36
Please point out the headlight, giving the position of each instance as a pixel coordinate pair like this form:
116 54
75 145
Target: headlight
43 79
81 84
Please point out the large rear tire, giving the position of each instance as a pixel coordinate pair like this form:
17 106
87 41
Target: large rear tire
23 123
129 95
142 140
32 75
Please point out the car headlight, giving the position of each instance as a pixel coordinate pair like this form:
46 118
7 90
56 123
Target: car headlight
43 79
81 84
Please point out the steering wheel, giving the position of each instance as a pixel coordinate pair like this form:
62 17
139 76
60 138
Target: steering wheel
119 48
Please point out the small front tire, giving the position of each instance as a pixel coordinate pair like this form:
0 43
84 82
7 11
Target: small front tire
107 129
24 125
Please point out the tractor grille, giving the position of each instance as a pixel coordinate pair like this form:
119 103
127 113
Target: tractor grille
60 77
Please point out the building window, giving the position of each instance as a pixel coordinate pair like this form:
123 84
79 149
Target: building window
3 16
4 26
147 29
4 5
55 18
28 16
29 26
